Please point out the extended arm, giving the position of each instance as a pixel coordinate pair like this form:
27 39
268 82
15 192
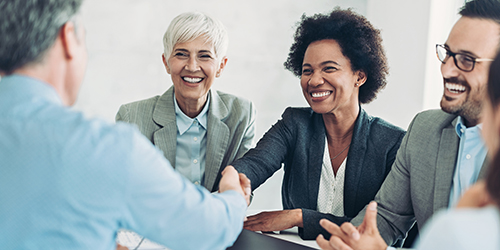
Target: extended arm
168 209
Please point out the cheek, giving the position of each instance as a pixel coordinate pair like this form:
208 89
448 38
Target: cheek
303 84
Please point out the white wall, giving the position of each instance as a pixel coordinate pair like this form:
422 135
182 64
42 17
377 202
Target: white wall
124 39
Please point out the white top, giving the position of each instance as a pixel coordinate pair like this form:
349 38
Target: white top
462 229
331 186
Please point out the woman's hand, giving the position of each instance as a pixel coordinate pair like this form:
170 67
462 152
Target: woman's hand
274 221
475 196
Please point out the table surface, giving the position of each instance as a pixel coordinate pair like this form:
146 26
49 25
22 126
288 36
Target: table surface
291 234
131 239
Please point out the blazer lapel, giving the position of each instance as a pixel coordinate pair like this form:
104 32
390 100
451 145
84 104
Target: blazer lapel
217 140
164 116
354 164
445 166
315 161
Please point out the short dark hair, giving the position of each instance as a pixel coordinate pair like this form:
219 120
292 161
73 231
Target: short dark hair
28 28
493 177
358 40
485 9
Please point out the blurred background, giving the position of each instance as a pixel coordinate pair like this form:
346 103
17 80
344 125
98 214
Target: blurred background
124 40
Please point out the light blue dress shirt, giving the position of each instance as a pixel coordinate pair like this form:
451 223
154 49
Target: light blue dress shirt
68 182
462 229
471 154
191 143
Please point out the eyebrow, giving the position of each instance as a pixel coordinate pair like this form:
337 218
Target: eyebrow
322 64
201 51
463 52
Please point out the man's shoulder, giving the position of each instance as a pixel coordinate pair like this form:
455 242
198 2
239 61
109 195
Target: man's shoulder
434 119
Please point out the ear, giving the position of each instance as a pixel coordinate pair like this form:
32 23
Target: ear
361 78
221 66
69 39
165 62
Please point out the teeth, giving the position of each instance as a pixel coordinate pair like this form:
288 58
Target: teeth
320 94
455 88
192 80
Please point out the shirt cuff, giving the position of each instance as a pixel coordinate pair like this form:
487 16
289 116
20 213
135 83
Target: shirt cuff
391 248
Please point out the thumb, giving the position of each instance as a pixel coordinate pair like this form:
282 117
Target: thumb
370 220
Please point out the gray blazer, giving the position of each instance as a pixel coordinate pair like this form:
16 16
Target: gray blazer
230 129
298 141
419 183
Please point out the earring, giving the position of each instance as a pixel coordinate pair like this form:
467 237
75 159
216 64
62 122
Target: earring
217 75
357 84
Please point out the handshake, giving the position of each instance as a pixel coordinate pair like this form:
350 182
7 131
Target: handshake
232 180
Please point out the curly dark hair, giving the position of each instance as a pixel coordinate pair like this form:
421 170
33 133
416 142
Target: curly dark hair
358 40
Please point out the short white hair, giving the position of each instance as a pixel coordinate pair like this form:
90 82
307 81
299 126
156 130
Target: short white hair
191 25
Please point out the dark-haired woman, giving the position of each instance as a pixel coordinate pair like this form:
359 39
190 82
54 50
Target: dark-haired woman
335 155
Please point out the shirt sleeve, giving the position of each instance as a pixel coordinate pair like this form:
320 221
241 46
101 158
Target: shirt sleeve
166 208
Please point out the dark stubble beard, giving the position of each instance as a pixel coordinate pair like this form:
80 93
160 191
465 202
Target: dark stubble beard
470 109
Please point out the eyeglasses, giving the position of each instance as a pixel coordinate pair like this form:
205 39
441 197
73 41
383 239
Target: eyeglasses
462 61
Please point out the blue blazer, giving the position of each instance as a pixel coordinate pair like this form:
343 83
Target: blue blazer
298 142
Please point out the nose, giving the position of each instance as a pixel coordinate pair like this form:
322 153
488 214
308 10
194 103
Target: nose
192 64
448 68
315 80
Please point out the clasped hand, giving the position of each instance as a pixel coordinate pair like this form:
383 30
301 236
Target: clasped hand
232 180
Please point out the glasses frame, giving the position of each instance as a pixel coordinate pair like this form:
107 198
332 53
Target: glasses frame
452 54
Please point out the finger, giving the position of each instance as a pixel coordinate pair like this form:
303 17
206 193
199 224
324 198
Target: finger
254 226
370 219
351 230
323 243
245 182
331 227
338 244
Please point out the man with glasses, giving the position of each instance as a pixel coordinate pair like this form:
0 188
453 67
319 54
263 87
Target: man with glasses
442 153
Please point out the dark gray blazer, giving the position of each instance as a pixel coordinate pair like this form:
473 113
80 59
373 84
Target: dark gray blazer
230 129
298 141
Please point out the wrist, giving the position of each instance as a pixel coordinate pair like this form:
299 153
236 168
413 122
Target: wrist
298 217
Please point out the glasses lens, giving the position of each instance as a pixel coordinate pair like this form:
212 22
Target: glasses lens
441 53
465 63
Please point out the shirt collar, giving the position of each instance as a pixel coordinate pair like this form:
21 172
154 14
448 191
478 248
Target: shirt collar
184 122
460 127
28 87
